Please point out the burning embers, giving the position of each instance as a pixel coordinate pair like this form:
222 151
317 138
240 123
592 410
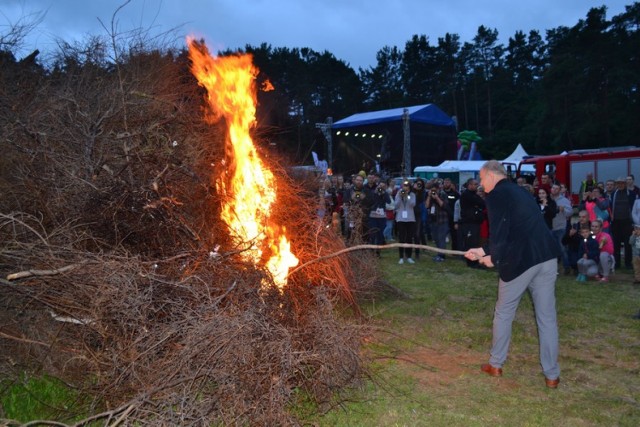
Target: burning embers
248 186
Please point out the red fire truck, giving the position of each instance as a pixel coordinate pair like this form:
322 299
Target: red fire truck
571 168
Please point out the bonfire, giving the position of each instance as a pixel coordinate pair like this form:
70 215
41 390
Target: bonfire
159 283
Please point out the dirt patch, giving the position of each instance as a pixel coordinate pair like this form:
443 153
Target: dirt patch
442 368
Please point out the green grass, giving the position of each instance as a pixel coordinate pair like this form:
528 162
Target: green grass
38 398
425 356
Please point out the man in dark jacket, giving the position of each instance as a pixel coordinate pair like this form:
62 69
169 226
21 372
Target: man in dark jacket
453 196
524 251
471 216
621 221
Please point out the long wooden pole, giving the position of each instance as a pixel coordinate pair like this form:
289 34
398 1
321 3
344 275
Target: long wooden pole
390 246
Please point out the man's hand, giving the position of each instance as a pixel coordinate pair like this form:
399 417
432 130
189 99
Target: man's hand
486 261
477 254
474 254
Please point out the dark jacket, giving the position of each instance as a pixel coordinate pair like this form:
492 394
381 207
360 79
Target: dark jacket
471 208
615 206
590 247
548 212
520 238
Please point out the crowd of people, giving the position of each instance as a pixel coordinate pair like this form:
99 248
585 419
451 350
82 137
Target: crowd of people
370 209
605 236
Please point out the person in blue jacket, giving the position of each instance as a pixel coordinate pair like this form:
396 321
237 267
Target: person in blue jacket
588 255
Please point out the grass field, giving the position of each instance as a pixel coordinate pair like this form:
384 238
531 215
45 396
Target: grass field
428 345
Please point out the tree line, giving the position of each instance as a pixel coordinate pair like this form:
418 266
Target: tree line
573 88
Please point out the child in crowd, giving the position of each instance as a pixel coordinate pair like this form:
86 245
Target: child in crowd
589 255
634 242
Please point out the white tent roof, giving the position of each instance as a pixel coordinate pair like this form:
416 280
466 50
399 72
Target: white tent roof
518 154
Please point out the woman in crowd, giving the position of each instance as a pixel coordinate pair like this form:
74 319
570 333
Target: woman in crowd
548 206
405 220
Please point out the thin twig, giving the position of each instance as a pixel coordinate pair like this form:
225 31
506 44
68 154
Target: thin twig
25 340
29 273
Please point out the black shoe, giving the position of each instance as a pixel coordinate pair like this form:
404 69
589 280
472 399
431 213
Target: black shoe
636 316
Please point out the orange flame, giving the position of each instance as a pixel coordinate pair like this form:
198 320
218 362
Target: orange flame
249 185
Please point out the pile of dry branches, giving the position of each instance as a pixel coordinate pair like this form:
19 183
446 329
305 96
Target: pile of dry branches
118 276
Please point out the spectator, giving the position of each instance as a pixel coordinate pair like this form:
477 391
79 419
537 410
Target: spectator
333 197
341 188
471 216
377 217
634 242
630 181
598 207
369 189
635 212
484 225
563 191
609 188
450 190
438 211
559 222
587 185
405 220
605 244
621 220
456 219
545 183
530 189
390 212
354 212
588 256
572 239
547 206
418 210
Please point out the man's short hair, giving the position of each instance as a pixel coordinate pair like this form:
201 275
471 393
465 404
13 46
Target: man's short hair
495 167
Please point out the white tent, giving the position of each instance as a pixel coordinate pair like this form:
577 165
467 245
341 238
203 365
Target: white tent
516 157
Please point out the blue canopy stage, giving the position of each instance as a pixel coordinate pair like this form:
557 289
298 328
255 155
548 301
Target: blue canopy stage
377 137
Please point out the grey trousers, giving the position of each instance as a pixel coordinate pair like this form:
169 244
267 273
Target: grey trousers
540 280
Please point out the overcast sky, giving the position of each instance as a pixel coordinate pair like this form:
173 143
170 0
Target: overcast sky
353 30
